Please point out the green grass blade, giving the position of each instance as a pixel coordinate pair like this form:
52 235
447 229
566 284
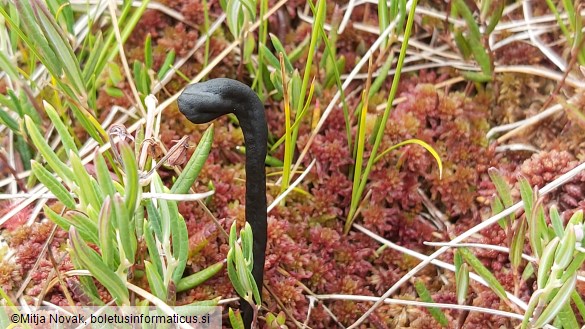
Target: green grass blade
9 67
104 177
518 244
125 227
180 242
90 259
195 164
50 182
131 184
425 296
556 221
393 90
86 227
236 319
66 138
554 307
167 64
279 48
148 52
198 278
87 194
502 187
33 37
106 234
578 301
566 316
546 261
153 252
461 278
482 271
155 281
527 198
60 46
43 147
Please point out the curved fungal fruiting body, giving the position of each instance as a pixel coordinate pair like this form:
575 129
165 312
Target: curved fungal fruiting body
205 101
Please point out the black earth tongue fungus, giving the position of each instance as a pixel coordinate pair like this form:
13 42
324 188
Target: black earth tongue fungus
205 101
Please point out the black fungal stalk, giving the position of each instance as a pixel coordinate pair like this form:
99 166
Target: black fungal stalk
205 101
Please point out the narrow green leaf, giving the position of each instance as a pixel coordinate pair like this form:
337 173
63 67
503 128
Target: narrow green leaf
482 271
104 177
425 296
24 151
554 307
577 218
236 319
468 17
114 92
502 187
528 272
8 121
66 138
32 36
566 316
461 278
566 249
89 123
556 221
495 17
154 219
279 48
155 281
247 244
233 274
106 234
90 65
498 207
180 242
9 67
480 77
167 64
60 46
518 243
244 274
255 291
56 218
41 144
198 278
534 234
193 167
125 228
462 44
91 261
546 261
527 198
164 211
86 227
148 52
578 301
131 184
383 18
50 182
269 56
155 257
87 194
